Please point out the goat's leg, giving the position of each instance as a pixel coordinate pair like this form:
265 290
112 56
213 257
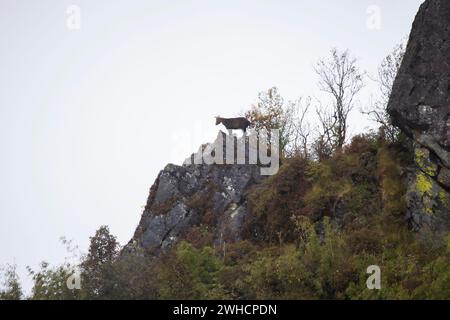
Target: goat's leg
230 132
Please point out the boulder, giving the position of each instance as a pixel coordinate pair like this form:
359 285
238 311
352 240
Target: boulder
420 106
420 101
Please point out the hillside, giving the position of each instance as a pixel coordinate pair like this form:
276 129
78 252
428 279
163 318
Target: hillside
333 208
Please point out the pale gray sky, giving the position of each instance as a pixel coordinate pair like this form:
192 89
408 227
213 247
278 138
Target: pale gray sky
88 117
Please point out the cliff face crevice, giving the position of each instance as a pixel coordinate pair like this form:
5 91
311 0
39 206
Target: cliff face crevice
420 107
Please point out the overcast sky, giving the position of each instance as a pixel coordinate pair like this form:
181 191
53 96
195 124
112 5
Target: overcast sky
90 115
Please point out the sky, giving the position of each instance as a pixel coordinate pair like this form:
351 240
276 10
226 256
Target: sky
96 97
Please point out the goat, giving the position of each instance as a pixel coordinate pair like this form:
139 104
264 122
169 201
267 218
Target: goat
234 123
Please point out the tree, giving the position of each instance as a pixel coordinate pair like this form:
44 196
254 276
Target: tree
341 79
272 112
387 72
51 283
189 273
97 267
12 289
268 114
301 127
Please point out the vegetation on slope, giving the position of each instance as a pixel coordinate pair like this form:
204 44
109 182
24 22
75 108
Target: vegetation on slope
311 230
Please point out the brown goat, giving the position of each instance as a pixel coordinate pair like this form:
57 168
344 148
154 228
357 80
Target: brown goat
234 123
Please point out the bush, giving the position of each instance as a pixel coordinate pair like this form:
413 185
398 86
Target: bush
272 204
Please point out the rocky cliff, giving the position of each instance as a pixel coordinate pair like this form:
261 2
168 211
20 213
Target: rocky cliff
197 200
420 106
208 203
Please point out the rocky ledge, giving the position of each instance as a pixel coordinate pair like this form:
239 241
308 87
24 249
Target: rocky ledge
195 200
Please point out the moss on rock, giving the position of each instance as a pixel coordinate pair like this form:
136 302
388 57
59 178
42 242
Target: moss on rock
422 158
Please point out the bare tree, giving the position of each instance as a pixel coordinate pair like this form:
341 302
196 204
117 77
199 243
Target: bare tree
341 79
323 145
387 72
301 131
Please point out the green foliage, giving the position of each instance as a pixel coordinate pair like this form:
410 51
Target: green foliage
311 232
269 113
51 283
189 273
326 265
344 185
11 288
272 112
273 203
362 191
97 266
132 277
392 188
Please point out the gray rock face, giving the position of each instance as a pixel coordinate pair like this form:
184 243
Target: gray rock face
420 107
193 195
420 101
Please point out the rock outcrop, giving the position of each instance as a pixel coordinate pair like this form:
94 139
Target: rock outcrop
420 107
206 199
